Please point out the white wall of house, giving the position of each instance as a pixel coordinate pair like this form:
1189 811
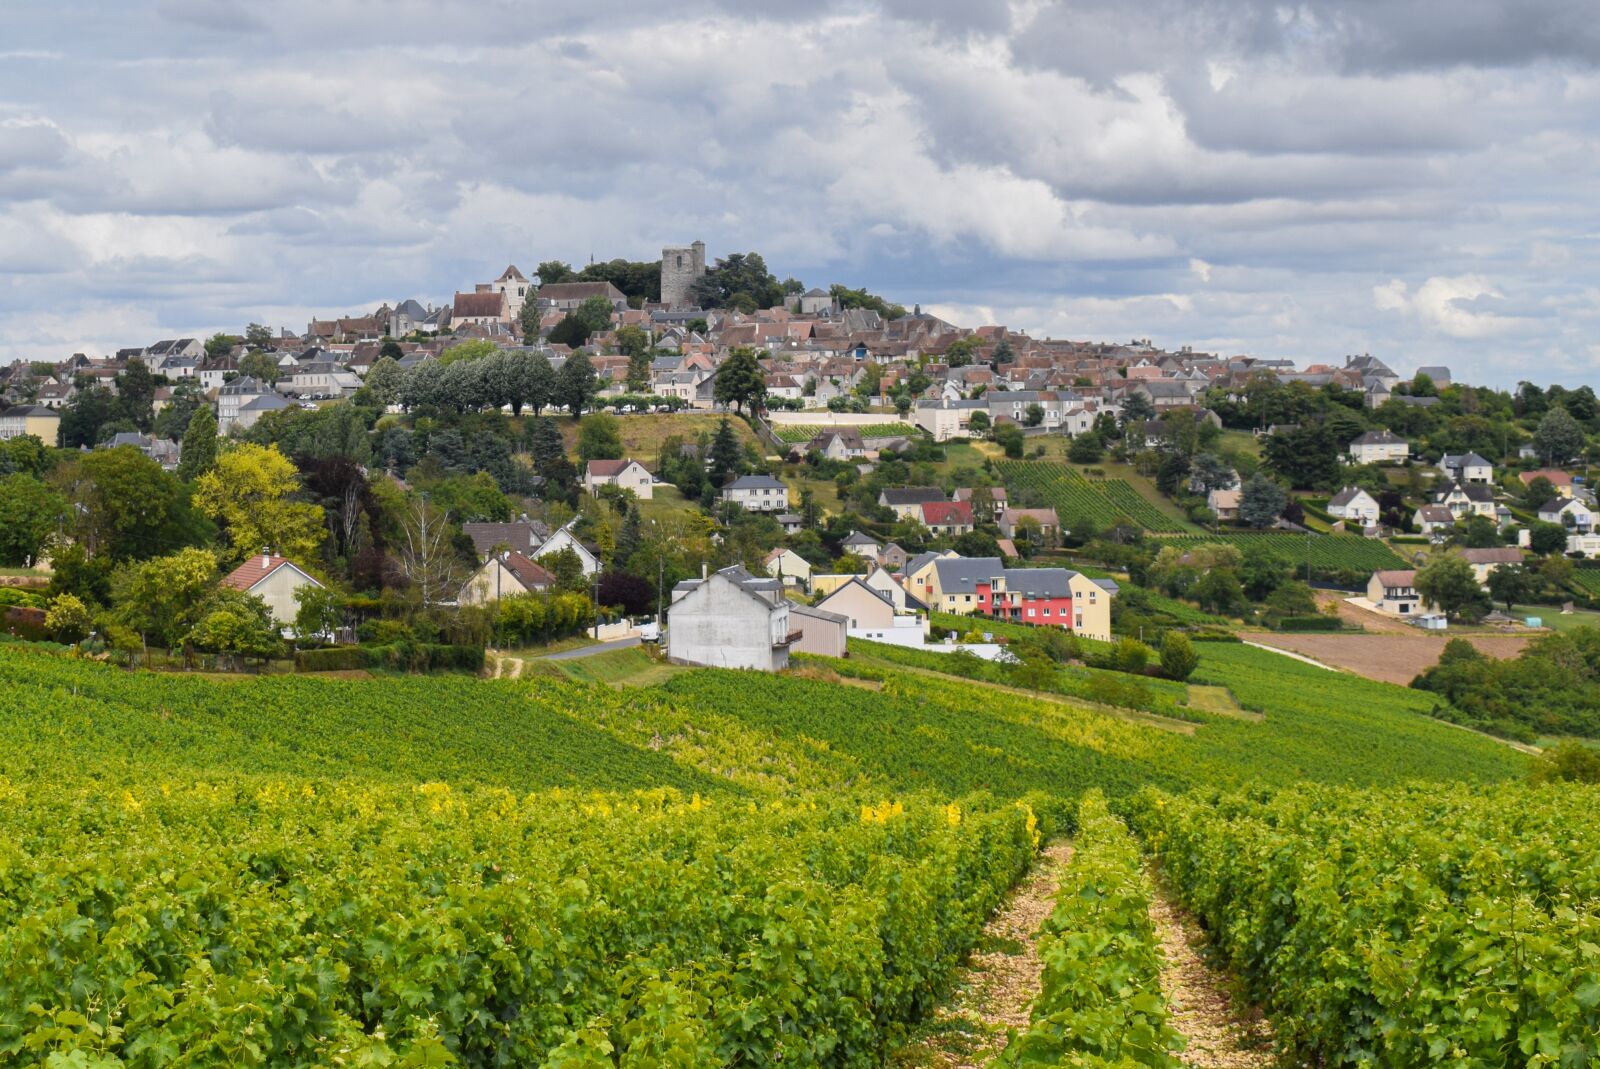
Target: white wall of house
720 625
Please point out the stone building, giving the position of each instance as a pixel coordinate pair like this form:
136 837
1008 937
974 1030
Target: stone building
680 268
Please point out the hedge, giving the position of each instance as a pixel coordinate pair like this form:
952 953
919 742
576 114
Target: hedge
425 657
1310 623
336 659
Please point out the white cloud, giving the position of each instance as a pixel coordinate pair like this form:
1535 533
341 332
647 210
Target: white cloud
1444 305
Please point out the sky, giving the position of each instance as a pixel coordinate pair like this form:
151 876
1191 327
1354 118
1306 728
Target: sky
1416 179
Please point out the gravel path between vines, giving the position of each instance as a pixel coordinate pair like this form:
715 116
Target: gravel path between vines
994 990
1220 1034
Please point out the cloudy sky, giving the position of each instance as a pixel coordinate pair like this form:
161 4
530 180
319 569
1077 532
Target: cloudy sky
1413 178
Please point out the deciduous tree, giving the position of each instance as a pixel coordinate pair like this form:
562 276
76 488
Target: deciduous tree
251 494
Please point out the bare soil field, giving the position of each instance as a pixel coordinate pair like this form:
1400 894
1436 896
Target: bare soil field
1392 658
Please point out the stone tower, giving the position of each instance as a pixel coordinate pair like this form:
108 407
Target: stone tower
680 268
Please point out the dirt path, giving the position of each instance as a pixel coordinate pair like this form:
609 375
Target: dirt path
994 991
1220 1035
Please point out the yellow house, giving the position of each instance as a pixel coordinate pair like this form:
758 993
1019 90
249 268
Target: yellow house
37 420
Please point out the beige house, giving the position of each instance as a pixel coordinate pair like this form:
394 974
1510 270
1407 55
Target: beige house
788 565
505 576
38 420
1379 447
1010 521
1224 504
866 609
274 580
625 474
821 632
1484 561
1395 592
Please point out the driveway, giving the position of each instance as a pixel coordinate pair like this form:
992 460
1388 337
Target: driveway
590 651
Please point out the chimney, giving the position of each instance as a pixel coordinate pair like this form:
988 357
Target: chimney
702 571
266 558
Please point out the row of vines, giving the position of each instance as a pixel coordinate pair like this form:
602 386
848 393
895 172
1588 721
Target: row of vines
1079 501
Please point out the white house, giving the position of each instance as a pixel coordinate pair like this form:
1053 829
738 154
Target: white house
1224 503
1434 520
1354 505
757 493
565 539
1467 499
504 576
907 501
784 563
625 474
1569 512
274 580
1467 468
1484 561
1378 447
1395 592
730 620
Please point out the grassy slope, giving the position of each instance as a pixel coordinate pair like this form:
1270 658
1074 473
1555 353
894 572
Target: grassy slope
710 730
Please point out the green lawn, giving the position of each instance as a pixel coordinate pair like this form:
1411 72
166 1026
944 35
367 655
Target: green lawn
631 667
1550 616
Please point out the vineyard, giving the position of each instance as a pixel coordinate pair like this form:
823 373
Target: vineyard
726 868
1402 927
1079 501
1328 552
801 433
1587 580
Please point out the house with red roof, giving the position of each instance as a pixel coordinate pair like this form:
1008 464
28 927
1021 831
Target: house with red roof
508 575
626 474
950 518
274 580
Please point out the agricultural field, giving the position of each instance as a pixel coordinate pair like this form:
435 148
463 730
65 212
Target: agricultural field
1587 580
1409 926
1101 502
1327 552
801 433
1391 658
717 868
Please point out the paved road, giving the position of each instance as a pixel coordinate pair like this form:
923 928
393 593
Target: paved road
590 651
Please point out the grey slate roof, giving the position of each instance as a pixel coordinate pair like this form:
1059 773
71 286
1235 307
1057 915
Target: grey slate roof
912 495
755 482
961 575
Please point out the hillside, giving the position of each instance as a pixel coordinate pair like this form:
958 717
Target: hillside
723 868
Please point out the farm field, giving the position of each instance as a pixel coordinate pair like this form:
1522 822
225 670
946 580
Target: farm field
1409 926
1077 500
1390 658
800 433
718 868
642 434
1341 552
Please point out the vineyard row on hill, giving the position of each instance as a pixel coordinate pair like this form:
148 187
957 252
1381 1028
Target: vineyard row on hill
1077 500
1327 552
1411 927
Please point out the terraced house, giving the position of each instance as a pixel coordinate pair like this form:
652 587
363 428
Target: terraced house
1045 597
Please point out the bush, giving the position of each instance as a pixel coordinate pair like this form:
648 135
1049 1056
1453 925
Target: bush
410 656
336 659
1178 658
1310 623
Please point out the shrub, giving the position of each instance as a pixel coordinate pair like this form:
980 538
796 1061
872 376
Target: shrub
336 659
1178 656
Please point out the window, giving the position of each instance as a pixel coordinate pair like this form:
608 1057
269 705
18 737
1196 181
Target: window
1030 614
969 599
1079 623
1047 611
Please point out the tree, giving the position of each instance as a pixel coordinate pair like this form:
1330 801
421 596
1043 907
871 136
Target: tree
1136 408
569 332
727 459
1539 491
599 437
634 594
426 554
1547 538
160 598
567 568
739 281
199 453
740 381
136 392
1178 656
594 315
961 352
1307 457
1261 501
1477 532
1509 584
1003 353
979 421
575 384
383 380
250 492
634 343
236 625
319 611
1210 472
1009 437
261 366
83 416
1568 761
126 506
1262 571
257 336
220 345
1559 438
67 619
1033 415
1448 582
552 272
31 515
1218 591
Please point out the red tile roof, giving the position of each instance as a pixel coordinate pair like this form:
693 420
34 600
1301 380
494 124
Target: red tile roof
477 305
607 469
253 571
945 513
532 576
